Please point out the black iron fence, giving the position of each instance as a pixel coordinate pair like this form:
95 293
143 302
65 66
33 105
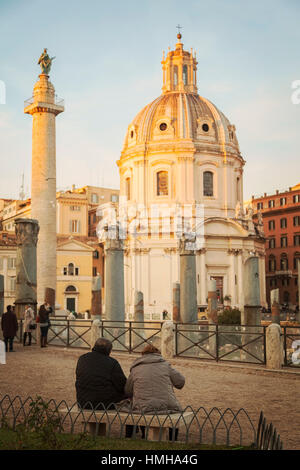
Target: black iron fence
233 343
217 427
236 343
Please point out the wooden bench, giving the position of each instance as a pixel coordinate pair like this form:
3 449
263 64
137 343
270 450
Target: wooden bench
156 426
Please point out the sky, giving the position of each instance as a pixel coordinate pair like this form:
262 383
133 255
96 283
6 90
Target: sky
108 67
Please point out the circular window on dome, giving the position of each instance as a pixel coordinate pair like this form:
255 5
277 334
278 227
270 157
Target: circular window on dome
205 127
163 126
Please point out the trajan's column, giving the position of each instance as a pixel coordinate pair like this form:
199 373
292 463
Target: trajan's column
44 107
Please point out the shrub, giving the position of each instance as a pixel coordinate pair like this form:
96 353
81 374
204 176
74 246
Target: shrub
230 316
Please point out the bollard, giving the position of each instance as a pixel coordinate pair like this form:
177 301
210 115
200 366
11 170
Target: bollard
274 350
167 340
95 332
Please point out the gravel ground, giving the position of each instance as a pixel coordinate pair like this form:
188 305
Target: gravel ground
50 372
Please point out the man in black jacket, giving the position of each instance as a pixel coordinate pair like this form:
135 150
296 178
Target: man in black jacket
9 325
99 378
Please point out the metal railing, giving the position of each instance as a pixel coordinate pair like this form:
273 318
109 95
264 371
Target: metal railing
232 343
217 427
57 101
267 437
238 343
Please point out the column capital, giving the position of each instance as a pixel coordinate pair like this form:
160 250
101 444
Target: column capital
27 231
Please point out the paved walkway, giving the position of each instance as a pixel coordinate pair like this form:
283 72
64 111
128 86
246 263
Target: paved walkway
50 372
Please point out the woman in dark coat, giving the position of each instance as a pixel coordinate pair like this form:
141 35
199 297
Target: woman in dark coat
44 313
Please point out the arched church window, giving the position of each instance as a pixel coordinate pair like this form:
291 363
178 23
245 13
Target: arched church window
127 188
71 269
175 75
208 183
185 74
162 183
71 289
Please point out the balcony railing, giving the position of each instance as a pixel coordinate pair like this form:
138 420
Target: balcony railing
57 101
284 272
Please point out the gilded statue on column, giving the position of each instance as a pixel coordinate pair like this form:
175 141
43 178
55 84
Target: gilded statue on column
45 62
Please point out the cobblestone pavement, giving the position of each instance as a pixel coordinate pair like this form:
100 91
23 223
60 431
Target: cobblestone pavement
50 372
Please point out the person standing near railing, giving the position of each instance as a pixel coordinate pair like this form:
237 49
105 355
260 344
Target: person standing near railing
9 325
44 321
28 323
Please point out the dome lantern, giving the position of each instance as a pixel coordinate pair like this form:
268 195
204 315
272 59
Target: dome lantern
179 70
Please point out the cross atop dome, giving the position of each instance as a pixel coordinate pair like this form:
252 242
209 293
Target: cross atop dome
179 34
179 69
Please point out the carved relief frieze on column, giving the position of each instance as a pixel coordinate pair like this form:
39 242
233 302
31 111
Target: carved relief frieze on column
27 231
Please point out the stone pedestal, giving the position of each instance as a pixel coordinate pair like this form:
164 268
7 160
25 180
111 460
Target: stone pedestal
274 350
26 266
96 308
44 108
188 285
176 302
167 340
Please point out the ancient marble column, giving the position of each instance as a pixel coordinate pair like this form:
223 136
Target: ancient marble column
138 306
298 313
96 308
188 286
138 333
1 294
50 298
275 308
176 302
251 292
26 266
114 280
44 108
212 307
212 313
251 314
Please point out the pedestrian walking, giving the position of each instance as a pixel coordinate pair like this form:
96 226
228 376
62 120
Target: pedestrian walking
28 324
44 313
9 325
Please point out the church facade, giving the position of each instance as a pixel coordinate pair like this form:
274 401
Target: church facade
181 172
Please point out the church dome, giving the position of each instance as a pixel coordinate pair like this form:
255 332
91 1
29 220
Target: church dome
180 114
